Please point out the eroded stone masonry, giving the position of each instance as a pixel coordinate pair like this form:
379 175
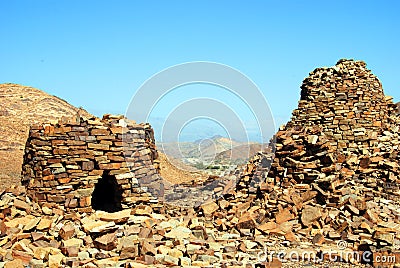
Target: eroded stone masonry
90 163
335 175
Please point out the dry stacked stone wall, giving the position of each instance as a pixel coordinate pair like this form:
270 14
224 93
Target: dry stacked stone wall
81 163
346 100
344 128
335 172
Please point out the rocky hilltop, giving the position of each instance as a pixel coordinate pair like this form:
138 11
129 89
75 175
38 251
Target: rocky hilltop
22 106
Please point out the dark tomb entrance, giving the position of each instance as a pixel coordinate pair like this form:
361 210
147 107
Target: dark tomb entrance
107 194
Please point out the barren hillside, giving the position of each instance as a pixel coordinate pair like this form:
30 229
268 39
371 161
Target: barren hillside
198 149
176 172
239 153
22 106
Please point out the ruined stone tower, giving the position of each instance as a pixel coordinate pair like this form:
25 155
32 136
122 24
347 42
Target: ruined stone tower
342 124
90 163
346 100
335 174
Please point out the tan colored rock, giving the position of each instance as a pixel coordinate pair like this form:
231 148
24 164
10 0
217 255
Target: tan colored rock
14 264
73 242
106 242
283 216
55 261
22 205
267 226
309 215
170 260
129 247
41 253
148 248
44 224
209 208
67 231
19 221
97 226
31 224
179 233
176 253
117 217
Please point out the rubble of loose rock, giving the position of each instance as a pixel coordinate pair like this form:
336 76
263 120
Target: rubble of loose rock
143 236
335 175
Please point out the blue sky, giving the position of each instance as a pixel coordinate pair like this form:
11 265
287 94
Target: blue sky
96 54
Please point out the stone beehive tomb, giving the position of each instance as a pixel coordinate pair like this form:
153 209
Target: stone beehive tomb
342 114
84 164
344 127
347 100
336 169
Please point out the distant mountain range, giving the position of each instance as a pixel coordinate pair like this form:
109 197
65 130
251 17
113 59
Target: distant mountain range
214 150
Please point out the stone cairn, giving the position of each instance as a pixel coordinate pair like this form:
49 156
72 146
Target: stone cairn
64 162
335 174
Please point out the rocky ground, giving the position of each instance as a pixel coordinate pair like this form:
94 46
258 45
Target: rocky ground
144 236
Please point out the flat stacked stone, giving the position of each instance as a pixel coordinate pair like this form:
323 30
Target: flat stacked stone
335 174
346 100
63 162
